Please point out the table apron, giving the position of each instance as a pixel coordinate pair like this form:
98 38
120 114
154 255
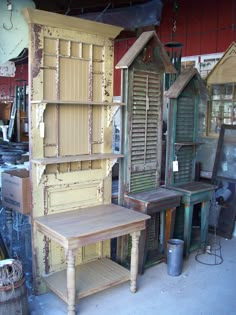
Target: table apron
77 242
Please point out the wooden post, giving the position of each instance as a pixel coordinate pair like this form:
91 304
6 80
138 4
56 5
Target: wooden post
134 261
71 289
188 216
205 208
9 223
169 226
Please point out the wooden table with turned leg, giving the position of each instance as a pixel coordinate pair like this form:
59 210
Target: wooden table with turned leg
75 229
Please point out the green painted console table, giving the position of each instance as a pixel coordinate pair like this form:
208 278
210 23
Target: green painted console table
194 193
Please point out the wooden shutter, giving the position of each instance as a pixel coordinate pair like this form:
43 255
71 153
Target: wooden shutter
146 128
185 132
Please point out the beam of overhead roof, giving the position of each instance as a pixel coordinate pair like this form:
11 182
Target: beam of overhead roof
130 18
129 14
76 7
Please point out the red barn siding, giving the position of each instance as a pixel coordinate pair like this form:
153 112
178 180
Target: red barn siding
7 84
121 48
209 23
202 26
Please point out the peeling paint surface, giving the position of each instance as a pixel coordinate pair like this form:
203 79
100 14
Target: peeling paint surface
71 83
38 52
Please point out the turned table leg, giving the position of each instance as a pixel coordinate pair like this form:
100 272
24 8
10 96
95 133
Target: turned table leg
71 289
134 261
142 251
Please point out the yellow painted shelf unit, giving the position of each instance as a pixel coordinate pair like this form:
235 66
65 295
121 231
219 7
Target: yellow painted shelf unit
71 111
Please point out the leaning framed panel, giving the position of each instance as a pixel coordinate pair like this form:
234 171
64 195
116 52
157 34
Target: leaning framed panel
224 177
225 162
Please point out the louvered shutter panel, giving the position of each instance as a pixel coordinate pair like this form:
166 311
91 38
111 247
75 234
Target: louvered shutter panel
146 128
185 132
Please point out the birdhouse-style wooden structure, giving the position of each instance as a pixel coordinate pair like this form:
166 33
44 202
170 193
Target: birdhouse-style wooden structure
143 67
182 124
71 109
221 83
183 100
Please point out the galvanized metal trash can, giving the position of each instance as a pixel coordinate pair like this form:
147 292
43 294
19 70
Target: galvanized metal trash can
174 256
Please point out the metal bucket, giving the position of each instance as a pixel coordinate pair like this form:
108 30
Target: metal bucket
174 256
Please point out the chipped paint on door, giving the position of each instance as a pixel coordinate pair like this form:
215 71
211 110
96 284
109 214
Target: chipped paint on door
71 84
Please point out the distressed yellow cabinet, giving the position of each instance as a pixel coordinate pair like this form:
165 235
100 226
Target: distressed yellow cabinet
71 109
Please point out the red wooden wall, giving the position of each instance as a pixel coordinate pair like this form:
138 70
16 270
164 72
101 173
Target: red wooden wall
7 84
202 26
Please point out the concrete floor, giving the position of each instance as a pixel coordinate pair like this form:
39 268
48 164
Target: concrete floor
200 290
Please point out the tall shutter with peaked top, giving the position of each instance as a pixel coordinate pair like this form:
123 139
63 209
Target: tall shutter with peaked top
143 67
182 128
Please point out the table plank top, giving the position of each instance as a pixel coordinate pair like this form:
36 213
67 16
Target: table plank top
87 221
154 195
192 187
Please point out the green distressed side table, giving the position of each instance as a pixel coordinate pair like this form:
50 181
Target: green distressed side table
194 193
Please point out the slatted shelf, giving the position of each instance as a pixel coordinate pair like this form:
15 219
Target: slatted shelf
91 277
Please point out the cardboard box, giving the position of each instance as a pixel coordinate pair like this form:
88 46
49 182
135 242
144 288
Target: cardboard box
16 192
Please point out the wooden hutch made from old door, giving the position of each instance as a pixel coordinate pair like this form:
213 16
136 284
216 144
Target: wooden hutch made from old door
182 143
71 109
143 68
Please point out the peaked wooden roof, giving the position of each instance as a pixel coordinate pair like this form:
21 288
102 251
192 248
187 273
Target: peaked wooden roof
224 69
181 82
137 47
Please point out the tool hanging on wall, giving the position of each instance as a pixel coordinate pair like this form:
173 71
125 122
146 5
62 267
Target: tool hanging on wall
18 105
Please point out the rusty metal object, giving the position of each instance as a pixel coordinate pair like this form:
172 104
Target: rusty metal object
46 249
38 52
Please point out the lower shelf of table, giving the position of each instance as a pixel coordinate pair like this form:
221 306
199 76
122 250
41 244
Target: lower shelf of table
92 277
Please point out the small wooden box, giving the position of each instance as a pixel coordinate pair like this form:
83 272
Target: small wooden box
16 192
